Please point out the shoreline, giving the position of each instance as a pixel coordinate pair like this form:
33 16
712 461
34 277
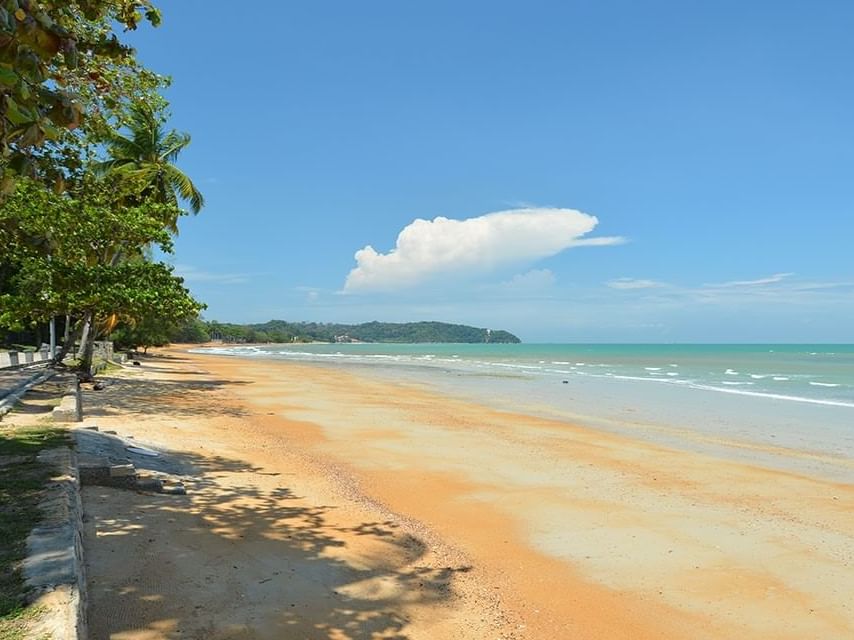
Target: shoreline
573 532
614 389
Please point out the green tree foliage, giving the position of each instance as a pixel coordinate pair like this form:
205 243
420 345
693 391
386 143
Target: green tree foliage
68 87
78 254
62 68
142 334
194 330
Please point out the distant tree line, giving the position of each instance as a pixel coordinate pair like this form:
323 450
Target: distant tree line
407 332
280 331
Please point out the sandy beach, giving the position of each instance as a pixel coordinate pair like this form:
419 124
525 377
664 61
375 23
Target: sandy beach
322 504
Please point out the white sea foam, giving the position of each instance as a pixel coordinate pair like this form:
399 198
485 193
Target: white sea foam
512 366
653 368
780 378
730 372
824 384
776 396
735 384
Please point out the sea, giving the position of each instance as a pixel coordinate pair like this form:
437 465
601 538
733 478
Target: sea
738 400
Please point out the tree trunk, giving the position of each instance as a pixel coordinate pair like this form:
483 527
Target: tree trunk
67 342
87 346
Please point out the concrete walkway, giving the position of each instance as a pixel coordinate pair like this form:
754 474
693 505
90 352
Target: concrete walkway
15 382
11 379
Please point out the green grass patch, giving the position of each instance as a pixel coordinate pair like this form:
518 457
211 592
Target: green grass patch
22 481
111 367
17 625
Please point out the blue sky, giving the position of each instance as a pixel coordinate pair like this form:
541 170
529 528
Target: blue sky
709 147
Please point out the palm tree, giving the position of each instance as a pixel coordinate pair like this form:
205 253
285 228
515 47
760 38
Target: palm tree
147 154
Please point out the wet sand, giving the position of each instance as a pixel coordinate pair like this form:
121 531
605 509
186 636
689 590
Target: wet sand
437 518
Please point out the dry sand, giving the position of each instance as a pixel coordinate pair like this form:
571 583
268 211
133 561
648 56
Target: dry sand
329 506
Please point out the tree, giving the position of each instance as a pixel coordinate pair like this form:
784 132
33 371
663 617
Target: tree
64 247
63 69
150 331
147 155
191 331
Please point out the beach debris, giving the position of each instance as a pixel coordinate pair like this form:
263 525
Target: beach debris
565 381
136 363
148 483
173 488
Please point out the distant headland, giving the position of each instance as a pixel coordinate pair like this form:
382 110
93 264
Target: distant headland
406 332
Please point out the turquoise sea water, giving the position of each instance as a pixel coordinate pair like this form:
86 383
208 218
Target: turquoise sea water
820 374
799 396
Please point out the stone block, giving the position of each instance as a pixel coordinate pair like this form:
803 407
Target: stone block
70 408
122 470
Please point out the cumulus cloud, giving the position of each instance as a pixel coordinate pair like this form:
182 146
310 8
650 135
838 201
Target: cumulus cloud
426 249
632 283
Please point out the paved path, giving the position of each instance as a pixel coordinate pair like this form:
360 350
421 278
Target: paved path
11 379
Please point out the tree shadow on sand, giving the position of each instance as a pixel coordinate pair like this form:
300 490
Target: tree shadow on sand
179 397
231 560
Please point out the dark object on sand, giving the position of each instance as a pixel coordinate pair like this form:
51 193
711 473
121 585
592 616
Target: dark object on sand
98 386
565 381
136 363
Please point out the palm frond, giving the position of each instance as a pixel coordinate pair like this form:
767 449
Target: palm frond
185 188
122 148
146 154
173 144
102 168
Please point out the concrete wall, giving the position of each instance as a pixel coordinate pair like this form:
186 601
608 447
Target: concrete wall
20 358
103 349
54 569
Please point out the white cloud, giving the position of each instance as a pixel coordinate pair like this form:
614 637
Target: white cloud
192 274
429 248
632 283
532 280
777 277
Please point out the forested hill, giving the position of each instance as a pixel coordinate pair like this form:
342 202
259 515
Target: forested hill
408 332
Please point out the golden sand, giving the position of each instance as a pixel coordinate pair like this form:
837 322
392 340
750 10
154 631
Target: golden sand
391 512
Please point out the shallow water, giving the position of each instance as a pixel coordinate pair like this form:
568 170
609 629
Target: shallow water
797 397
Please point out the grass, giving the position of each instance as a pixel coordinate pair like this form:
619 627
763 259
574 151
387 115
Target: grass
17 625
22 481
110 367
